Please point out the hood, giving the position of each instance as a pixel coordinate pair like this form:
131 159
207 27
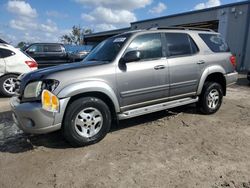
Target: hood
41 74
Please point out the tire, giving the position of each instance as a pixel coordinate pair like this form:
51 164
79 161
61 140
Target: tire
211 98
7 85
87 121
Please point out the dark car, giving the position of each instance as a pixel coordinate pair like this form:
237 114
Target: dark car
50 54
248 75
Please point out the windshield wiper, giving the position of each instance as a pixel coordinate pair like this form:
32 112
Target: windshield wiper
106 60
93 59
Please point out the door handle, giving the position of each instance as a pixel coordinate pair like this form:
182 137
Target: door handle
201 62
159 67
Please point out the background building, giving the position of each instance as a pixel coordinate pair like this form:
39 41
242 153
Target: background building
231 20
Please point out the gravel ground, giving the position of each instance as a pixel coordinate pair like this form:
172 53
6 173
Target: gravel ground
177 148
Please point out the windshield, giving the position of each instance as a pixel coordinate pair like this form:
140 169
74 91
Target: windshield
108 49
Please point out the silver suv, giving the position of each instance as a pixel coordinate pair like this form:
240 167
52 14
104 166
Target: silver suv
128 75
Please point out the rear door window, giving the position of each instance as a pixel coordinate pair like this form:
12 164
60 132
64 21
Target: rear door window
149 45
4 53
180 44
52 48
215 42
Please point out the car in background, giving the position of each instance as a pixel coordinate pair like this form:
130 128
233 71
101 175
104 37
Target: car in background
13 63
82 54
248 75
50 54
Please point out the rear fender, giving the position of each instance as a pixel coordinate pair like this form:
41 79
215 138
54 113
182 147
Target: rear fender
206 73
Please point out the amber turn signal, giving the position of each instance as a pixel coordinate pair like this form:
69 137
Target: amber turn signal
50 102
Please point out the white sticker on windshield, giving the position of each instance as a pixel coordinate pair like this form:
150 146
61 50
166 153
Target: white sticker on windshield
120 39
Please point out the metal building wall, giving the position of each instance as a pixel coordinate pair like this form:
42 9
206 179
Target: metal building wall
176 20
233 21
247 49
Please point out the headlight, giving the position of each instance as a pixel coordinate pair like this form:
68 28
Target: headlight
33 90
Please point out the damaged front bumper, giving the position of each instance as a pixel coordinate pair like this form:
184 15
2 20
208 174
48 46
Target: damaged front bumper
32 118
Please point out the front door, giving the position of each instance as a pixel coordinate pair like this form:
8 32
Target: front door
54 54
143 82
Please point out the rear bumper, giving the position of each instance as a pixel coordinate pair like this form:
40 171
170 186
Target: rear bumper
32 118
231 78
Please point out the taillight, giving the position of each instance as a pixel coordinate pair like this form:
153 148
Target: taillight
233 60
31 64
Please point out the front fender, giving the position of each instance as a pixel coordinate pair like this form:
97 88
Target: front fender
90 86
209 70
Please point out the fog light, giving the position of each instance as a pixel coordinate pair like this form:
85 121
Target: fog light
50 102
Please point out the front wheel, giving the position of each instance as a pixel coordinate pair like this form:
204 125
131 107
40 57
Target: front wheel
211 98
87 121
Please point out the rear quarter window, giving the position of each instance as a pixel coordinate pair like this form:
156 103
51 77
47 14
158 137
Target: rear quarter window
215 42
4 53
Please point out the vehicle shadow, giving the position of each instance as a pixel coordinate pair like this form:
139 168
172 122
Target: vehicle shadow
25 142
242 81
2 96
188 109
15 141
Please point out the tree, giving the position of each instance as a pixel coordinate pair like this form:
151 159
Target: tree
66 39
21 44
76 36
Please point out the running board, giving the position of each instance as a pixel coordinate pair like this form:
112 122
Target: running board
157 107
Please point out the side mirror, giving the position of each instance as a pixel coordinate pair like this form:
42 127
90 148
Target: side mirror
131 56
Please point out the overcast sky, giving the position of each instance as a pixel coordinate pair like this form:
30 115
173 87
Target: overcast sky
47 20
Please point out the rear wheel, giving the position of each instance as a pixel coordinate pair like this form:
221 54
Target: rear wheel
87 121
211 98
7 85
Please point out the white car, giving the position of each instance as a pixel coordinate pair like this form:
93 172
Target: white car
13 62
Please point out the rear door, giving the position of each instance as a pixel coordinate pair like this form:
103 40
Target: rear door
143 82
55 54
184 70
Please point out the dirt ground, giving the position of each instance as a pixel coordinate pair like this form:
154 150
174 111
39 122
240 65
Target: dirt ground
179 148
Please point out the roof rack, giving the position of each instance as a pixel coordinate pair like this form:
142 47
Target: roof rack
181 28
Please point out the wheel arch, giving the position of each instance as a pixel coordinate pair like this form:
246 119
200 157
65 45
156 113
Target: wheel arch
10 73
88 88
214 73
105 98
